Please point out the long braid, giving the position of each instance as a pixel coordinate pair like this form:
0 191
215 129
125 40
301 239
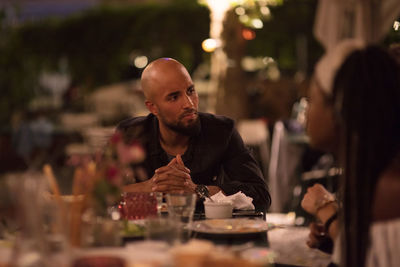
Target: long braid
367 96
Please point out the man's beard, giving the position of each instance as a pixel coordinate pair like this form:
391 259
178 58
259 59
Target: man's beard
187 130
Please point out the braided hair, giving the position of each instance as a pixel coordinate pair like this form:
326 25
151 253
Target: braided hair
366 95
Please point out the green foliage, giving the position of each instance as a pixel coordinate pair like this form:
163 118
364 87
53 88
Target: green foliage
97 45
278 37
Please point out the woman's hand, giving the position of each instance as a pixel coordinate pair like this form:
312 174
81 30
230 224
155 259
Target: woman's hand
315 198
318 238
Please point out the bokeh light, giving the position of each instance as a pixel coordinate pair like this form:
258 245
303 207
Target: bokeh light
248 34
209 45
240 11
265 11
141 62
396 25
257 23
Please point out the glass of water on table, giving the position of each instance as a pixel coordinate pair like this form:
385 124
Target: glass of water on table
181 208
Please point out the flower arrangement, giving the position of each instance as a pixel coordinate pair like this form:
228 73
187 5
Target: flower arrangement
101 176
115 168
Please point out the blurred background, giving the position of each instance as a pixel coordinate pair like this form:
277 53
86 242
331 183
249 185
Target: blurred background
70 70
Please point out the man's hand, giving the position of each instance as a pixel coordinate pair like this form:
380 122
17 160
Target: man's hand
174 177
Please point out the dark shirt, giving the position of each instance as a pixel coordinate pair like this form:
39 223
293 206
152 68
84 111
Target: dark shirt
215 156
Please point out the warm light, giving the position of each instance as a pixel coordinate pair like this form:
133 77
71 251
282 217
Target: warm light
141 62
244 18
257 23
262 2
396 25
272 2
209 45
273 73
268 60
248 34
252 63
240 11
265 11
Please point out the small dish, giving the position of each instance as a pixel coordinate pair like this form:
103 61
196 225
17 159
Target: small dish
218 210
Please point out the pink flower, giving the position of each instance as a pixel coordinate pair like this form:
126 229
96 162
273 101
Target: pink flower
130 153
112 172
116 138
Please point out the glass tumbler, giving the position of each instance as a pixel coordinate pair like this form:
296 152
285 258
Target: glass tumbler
181 208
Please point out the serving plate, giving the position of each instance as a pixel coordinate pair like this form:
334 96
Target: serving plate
234 226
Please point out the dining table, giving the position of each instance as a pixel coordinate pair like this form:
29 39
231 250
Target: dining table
258 241
281 245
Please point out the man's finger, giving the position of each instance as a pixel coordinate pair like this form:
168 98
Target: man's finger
177 182
179 160
181 168
172 162
172 174
162 169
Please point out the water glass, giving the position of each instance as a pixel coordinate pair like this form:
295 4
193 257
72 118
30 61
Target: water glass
138 205
161 229
181 208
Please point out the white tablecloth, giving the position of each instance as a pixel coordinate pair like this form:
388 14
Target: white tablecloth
290 247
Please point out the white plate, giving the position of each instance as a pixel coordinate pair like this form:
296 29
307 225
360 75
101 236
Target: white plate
230 226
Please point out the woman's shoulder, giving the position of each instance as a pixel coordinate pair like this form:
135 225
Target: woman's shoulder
384 243
387 194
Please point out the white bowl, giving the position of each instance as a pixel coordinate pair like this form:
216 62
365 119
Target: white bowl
218 210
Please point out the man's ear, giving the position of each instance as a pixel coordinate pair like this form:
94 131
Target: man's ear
151 107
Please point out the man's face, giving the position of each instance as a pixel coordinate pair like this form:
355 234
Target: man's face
320 121
175 102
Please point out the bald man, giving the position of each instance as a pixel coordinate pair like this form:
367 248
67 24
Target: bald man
188 150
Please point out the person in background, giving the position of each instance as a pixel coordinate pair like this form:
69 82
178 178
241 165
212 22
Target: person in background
355 112
188 150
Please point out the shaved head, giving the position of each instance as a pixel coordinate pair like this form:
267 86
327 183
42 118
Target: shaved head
171 96
158 73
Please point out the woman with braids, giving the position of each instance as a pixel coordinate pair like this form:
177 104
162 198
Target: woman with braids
354 112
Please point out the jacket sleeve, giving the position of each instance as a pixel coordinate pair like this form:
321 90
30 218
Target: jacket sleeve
241 172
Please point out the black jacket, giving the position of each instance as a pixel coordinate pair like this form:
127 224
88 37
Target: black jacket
216 156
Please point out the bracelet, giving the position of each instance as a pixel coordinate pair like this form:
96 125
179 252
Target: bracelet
321 203
328 222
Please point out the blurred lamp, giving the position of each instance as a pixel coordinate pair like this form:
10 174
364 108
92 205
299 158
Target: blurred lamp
209 45
248 34
141 62
240 11
257 23
396 25
265 11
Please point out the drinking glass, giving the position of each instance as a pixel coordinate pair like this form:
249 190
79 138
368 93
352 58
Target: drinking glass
162 229
181 208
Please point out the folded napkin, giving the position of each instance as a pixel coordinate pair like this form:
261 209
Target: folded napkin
239 200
